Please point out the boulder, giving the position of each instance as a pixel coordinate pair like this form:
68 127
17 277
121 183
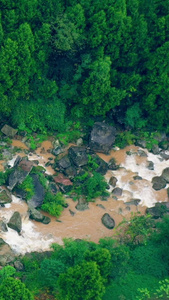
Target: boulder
46 220
158 183
78 155
5 197
18 265
158 210
102 165
7 255
141 143
9 131
3 227
38 197
150 165
15 222
164 155
108 221
82 204
102 137
113 181
64 183
165 174
34 214
117 191
112 165
64 162
19 173
142 153
155 149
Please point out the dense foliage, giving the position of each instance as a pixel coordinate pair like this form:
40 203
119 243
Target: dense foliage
118 268
84 58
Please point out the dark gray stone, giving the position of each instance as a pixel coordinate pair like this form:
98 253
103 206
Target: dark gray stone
34 214
100 205
158 210
46 220
108 221
113 181
137 177
15 222
165 174
150 165
38 197
102 137
3 226
133 202
164 155
158 183
102 165
155 149
141 143
112 165
142 153
18 265
78 155
64 162
117 191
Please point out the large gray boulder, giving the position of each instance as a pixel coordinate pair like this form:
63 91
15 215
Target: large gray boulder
78 155
39 192
36 215
5 197
7 255
9 131
19 173
165 174
15 222
108 221
158 183
158 210
102 137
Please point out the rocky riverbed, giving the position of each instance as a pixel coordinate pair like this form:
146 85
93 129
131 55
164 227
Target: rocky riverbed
137 184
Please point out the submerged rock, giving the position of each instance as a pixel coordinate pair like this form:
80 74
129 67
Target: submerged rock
108 221
133 202
102 137
15 222
82 204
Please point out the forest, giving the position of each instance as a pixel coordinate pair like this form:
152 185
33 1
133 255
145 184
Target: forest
68 63
66 59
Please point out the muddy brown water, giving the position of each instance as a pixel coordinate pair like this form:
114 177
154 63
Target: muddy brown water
87 224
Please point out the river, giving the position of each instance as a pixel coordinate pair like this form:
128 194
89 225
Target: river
87 225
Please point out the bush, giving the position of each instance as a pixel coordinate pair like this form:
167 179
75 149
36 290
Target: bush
53 204
28 187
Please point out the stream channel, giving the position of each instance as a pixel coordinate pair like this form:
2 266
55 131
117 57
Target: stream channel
87 224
